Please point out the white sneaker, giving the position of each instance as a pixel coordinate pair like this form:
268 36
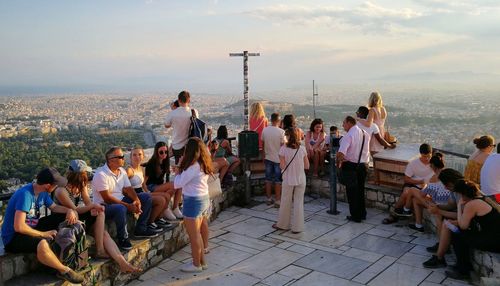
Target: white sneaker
169 215
178 213
189 267
204 266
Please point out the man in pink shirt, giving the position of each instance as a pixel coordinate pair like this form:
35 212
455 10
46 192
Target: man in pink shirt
352 157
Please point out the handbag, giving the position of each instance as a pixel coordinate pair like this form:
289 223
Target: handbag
214 187
388 137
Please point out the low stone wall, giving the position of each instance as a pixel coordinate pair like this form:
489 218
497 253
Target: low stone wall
376 196
24 269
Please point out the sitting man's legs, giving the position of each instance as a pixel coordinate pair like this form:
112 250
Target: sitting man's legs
118 214
141 228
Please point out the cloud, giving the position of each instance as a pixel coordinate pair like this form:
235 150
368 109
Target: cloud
366 17
470 7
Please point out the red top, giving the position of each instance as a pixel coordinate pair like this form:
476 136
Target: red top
257 125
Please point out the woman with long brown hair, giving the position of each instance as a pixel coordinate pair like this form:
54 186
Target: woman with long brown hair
192 177
76 191
293 162
156 180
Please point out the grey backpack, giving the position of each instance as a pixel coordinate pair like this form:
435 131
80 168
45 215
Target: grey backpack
70 245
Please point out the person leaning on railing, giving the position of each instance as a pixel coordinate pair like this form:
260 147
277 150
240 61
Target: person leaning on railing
485 146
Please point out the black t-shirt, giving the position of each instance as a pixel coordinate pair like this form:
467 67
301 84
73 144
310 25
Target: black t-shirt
156 174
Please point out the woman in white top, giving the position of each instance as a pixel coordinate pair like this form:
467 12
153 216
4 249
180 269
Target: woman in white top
135 174
192 177
293 162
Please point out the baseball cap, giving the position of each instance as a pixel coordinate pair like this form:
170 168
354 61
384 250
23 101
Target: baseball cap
51 176
79 166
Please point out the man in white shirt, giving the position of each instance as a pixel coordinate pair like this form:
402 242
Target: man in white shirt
373 131
180 121
352 157
417 174
490 175
112 189
272 139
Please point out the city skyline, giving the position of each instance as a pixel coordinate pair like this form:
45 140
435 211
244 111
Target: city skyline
166 45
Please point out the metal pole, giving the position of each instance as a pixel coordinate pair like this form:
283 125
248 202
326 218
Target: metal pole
245 90
333 175
314 100
246 161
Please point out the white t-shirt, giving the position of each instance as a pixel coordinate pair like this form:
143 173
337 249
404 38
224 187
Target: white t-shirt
372 130
273 138
193 181
294 175
350 145
180 121
104 179
419 171
490 175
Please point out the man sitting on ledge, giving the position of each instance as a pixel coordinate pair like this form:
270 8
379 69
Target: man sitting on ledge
112 189
417 174
23 231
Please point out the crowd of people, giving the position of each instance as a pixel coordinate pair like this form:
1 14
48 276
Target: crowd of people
465 206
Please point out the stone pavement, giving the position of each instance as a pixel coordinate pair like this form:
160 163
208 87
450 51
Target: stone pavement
246 250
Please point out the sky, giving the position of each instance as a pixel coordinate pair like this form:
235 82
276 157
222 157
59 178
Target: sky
173 45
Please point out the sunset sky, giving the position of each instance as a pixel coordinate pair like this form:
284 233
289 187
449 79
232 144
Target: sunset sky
170 45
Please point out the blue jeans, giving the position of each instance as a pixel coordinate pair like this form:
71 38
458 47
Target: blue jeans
273 172
118 213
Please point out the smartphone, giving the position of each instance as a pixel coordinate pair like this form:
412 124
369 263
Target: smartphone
451 226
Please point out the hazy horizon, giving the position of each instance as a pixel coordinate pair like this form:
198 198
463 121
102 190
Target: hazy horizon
116 46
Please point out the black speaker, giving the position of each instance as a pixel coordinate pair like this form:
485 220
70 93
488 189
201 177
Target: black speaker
248 144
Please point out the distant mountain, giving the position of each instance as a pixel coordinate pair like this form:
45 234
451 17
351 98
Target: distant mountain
459 76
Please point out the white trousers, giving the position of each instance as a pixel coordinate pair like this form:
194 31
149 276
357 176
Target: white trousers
289 193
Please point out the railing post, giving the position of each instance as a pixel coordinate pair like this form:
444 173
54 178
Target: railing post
334 147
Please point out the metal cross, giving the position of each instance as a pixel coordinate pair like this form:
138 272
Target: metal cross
245 56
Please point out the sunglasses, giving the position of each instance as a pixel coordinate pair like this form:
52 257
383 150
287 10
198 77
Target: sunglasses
118 157
161 152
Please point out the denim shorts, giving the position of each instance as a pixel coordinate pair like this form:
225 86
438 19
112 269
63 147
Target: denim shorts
152 187
273 172
194 207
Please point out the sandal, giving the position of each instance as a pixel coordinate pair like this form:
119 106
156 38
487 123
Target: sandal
278 228
269 202
390 219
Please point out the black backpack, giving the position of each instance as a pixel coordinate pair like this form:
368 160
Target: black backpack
70 245
198 127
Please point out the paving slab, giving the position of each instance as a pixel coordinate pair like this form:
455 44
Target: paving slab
312 230
267 262
294 272
246 241
362 254
276 280
252 227
381 245
321 279
333 264
342 234
400 275
374 269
